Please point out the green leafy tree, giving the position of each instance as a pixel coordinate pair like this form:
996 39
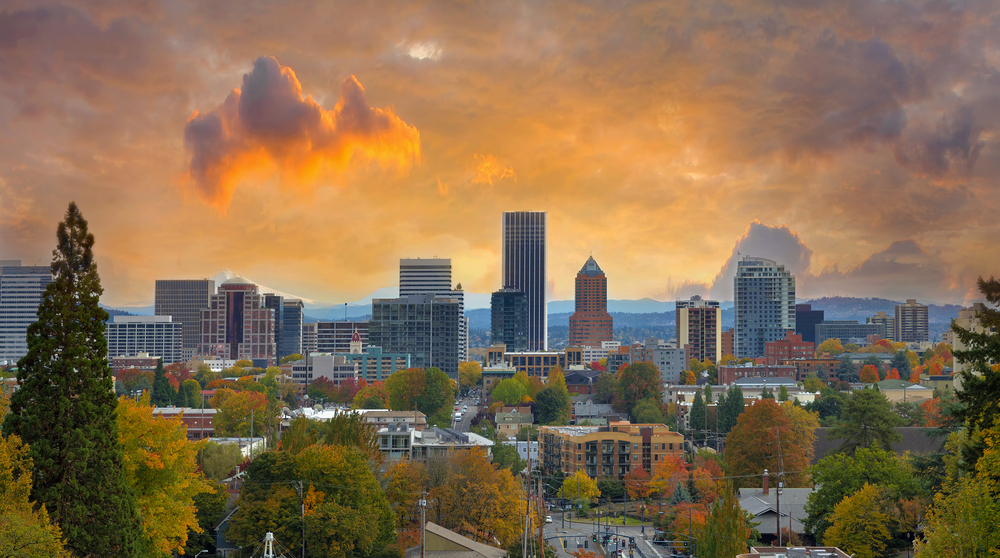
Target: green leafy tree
65 408
426 389
579 487
505 457
839 475
346 511
554 406
637 382
783 394
509 391
648 411
861 523
868 420
981 380
189 394
726 531
611 488
961 522
163 391
605 387
218 460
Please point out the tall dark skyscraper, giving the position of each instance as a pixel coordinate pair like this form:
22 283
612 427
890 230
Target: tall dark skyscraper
184 299
806 320
509 319
524 259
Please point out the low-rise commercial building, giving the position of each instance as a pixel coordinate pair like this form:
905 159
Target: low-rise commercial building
729 374
792 347
607 451
493 375
399 441
198 421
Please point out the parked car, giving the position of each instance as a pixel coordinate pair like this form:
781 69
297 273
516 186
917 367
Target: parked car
548 519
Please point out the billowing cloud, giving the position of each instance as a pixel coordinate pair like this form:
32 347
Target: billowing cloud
268 123
903 269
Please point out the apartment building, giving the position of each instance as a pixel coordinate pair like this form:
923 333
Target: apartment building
607 451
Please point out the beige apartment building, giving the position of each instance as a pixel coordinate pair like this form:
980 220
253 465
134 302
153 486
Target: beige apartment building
606 451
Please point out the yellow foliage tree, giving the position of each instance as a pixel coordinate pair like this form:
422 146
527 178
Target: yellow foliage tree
480 500
860 523
24 531
579 487
160 466
470 374
831 346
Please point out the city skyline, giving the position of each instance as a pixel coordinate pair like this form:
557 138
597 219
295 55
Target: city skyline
857 146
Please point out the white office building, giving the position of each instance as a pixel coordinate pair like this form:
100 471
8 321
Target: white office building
21 289
158 336
764 297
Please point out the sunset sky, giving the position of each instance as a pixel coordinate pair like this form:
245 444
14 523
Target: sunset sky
310 145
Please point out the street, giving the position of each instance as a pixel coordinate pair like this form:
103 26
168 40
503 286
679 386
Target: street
577 534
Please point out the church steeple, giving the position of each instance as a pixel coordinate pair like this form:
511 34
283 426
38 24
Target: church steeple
356 343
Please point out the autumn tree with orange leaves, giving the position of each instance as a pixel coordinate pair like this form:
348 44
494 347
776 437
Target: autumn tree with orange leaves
766 432
637 484
892 375
869 374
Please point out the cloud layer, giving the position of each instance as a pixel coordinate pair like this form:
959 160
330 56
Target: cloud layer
267 122
859 140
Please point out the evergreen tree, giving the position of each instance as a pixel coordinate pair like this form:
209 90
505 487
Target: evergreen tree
66 408
783 394
163 391
766 393
981 380
869 421
902 363
726 530
730 410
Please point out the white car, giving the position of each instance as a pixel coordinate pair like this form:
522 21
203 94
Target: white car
548 519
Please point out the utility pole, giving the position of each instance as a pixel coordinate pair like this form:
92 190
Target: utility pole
777 494
423 523
541 522
302 503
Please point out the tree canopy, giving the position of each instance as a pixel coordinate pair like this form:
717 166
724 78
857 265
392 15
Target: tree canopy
765 432
868 420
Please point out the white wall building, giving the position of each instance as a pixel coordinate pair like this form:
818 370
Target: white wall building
158 336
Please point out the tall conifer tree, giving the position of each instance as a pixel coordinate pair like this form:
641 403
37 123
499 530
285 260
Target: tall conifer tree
66 407
163 391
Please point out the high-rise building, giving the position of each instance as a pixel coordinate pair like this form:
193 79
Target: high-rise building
276 303
764 304
967 319
699 329
888 323
237 325
156 336
291 328
183 300
805 321
590 324
423 326
433 276
423 276
335 337
524 260
911 322
21 289
509 319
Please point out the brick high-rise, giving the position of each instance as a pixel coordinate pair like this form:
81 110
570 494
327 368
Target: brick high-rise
590 324
238 325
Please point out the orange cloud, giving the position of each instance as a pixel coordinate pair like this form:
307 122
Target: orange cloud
267 125
489 170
